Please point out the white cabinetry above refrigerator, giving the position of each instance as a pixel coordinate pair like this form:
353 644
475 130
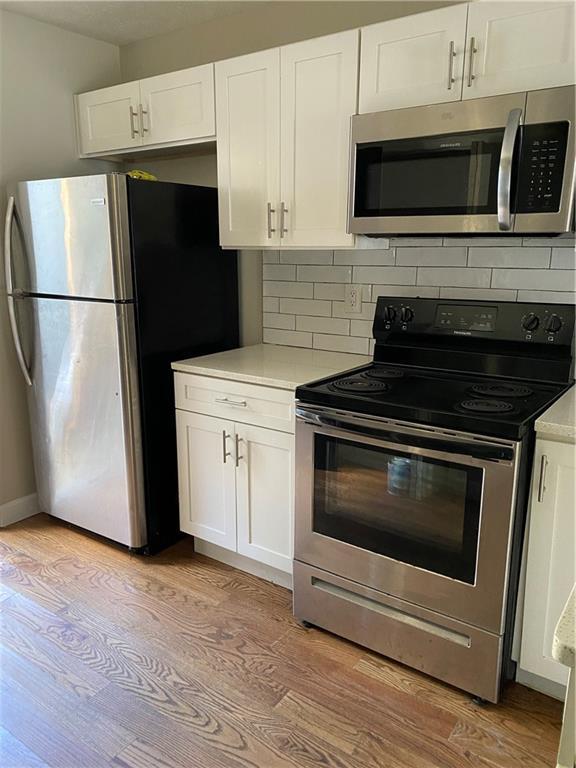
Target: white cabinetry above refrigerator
167 110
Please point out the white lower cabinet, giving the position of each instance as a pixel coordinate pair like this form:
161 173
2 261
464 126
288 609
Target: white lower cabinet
551 563
236 480
207 478
265 496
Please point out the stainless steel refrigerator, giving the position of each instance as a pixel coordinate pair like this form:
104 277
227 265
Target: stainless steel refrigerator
109 279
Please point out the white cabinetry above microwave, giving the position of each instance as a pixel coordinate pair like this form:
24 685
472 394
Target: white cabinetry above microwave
414 60
466 52
167 110
283 121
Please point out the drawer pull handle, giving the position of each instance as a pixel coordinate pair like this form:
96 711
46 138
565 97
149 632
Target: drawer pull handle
225 453
227 401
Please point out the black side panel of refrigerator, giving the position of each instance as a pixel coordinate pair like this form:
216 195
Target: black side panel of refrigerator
186 291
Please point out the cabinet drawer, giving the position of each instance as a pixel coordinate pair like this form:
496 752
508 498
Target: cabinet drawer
246 403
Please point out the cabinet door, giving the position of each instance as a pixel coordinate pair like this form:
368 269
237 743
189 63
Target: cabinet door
319 92
265 498
206 478
108 118
414 60
519 46
178 106
248 148
551 568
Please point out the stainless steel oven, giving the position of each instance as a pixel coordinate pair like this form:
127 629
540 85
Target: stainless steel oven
405 531
504 163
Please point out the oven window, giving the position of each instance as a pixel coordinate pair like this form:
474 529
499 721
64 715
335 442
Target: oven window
441 175
411 508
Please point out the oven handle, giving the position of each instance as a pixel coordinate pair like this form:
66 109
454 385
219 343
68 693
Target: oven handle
505 169
413 438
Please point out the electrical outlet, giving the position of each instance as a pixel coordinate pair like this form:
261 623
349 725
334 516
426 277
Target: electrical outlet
353 298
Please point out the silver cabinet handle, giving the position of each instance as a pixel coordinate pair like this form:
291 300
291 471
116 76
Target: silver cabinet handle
238 457
270 211
10 215
133 116
227 401
141 113
451 57
473 50
542 481
283 212
505 169
225 453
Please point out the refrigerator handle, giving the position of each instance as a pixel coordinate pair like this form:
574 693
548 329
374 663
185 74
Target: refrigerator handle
10 290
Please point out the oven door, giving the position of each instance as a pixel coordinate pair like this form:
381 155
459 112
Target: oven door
421 514
443 168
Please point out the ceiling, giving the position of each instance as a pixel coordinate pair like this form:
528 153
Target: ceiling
121 22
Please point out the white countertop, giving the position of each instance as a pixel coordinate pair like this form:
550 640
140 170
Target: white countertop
271 365
564 644
559 421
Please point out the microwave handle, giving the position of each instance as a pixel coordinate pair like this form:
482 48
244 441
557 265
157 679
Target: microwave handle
505 169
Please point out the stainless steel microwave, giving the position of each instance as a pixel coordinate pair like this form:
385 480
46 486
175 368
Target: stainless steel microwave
499 164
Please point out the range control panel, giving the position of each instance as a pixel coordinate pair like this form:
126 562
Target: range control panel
541 170
503 321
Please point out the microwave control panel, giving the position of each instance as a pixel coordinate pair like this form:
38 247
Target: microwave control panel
541 171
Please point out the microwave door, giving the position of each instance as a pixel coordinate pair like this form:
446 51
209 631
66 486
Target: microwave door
431 169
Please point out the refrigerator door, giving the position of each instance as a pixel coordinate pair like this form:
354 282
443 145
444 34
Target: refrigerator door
85 416
75 237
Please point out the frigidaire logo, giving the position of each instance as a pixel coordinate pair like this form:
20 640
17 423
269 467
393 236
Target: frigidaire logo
455 144
462 333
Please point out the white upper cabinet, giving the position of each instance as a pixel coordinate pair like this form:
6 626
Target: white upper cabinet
108 119
518 46
318 86
414 60
248 144
178 106
290 192
168 109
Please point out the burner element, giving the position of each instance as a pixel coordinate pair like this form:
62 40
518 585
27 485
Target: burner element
486 406
382 374
360 386
502 390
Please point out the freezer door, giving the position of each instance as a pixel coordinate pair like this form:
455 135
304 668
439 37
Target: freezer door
85 416
75 237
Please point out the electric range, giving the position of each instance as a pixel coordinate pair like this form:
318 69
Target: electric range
412 481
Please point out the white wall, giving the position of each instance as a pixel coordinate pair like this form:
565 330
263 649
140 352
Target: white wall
41 67
265 26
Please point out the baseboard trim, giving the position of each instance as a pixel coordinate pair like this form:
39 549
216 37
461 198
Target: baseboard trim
243 563
18 509
542 684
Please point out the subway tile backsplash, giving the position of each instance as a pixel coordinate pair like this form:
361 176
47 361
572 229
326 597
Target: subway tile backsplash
304 291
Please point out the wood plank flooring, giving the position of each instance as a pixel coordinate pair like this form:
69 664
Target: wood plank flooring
177 661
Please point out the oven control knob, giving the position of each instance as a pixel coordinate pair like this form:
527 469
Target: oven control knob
530 322
553 324
389 314
406 315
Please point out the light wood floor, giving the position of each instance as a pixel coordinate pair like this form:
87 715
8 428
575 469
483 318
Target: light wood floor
177 661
